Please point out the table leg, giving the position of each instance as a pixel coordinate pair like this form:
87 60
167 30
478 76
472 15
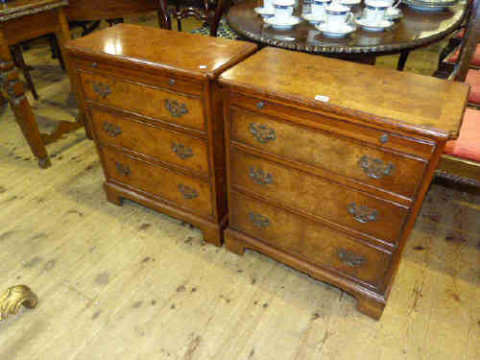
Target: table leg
12 89
402 60
63 35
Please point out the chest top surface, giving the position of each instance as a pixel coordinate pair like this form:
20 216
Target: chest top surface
394 99
196 55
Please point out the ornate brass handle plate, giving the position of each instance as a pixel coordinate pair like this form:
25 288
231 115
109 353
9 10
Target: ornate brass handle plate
187 192
123 169
375 168
259 220
262 133
260 177
182 151
111 129
363 214
101 89
175 108
351 259
14 297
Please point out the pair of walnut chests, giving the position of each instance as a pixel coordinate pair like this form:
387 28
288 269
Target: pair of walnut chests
324 163
155 113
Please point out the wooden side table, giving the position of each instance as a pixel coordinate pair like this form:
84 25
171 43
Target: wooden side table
22 20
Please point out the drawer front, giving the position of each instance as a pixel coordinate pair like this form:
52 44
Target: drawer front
185 110
423 148
344 156
298 190
169 146
312 242
185 192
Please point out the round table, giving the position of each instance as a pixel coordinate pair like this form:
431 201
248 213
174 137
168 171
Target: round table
415 29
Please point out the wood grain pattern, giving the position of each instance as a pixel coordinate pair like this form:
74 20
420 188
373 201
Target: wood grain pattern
313 195
310 241
157 117
155 180
139 98
116 282
163 144
330 152
375 95
289 138
159 49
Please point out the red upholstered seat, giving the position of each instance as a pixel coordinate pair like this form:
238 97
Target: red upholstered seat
473 79
467 146
475 58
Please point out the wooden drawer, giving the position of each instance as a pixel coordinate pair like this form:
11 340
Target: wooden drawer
181 190
182 109
166 145
345 156
312 242
314 195
349 127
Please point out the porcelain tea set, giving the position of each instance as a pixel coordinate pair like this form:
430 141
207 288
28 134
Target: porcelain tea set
333 18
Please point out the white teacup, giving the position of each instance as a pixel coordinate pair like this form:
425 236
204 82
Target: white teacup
268 6
374 11
338 15
319 8
283 9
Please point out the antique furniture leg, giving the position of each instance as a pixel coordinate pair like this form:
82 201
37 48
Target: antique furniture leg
402 60
163 16
12 90
19 61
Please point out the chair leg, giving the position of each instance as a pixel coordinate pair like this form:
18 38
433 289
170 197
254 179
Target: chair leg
403 59
56 50
16 51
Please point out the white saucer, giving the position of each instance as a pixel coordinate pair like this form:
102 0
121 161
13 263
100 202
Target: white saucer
313 20
264 12
425 8
337 31
393 13
384 24
350 2
284 24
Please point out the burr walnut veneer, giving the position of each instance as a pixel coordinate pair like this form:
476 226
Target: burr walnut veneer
156 116
329 161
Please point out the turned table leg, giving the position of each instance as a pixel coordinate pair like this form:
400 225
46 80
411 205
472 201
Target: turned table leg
12 89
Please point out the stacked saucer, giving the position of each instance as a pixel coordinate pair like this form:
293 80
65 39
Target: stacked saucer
282 18
430 5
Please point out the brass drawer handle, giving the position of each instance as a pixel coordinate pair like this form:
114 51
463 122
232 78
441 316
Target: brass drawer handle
375 168
351 259
101 89
182 151
260 177
111 129
259 220
123 169
175 108
262 133
363 214
187 192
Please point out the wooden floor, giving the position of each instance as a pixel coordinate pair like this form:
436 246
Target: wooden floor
130 283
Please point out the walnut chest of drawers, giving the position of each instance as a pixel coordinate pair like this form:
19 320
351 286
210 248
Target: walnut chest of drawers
154 111
328 163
